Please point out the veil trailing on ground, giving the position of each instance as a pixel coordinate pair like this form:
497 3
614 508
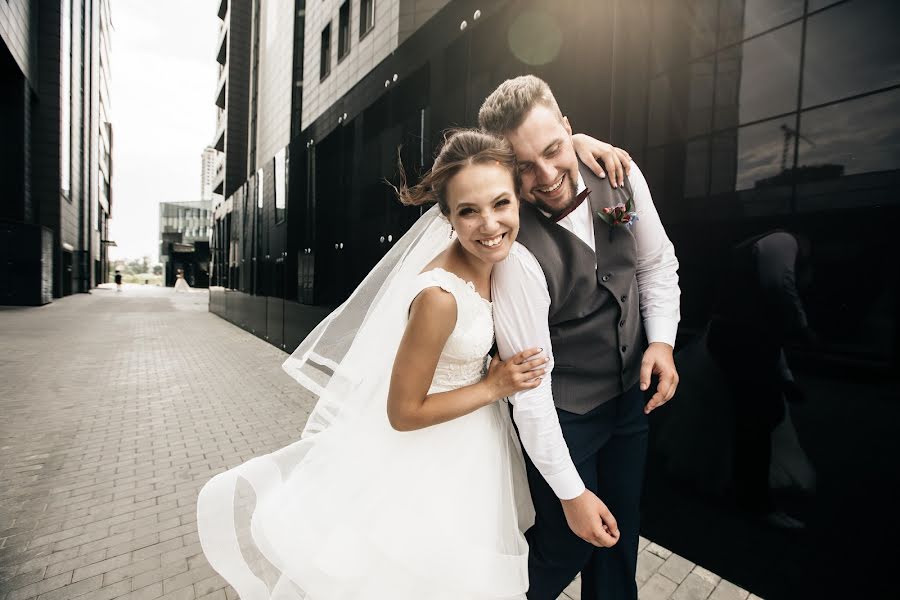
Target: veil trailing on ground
346 363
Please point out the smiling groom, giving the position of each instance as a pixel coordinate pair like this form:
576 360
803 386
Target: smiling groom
591 276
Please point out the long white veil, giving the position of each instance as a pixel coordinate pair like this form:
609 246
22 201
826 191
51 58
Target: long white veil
355 345
346 363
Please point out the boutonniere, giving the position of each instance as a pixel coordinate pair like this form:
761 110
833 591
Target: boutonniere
619 215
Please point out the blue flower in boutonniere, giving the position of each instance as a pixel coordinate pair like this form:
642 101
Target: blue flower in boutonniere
619 215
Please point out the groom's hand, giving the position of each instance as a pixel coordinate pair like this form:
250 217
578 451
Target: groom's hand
658 360
590 520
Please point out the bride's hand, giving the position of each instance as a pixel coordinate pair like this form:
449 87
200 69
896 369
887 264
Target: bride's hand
523 371
592 151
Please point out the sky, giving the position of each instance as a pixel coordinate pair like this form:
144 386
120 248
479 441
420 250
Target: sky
163 113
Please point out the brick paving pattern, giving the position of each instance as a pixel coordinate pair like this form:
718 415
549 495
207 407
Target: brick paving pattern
116 409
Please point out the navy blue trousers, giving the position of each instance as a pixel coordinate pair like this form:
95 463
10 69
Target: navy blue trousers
609 448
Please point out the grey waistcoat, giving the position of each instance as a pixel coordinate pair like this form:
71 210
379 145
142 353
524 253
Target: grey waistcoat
595 321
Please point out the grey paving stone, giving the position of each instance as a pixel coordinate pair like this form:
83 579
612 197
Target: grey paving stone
210 585
73 590
159 548
658 587
216 595
707 575
108 592
40 587
103 566
676 568
647 565
658 550
21 580
130 570
165 572
694 587
728 591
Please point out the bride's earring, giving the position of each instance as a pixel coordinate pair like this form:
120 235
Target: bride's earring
451 232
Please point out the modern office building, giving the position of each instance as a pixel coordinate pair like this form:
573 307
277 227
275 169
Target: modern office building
185 229
745 116
57 148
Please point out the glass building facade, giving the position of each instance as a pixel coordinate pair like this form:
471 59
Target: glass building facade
746 117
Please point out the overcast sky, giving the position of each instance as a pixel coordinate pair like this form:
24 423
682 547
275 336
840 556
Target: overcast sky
163 112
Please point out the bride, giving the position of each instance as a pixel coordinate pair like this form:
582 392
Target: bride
407 481
408 486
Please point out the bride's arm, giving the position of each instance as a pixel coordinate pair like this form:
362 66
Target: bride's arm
431 321
592 152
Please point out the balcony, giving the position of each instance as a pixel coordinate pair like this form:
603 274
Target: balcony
222 45
220 87
219 137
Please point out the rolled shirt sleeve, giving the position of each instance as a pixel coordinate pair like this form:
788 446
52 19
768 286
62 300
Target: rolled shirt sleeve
521 307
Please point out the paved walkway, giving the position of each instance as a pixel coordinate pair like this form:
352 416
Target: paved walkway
116 408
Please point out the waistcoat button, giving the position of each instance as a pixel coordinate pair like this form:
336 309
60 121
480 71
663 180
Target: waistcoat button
623 298
624 348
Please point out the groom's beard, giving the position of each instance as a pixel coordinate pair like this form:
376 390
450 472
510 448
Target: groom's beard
555 211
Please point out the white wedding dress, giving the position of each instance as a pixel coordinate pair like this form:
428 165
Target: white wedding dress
371 513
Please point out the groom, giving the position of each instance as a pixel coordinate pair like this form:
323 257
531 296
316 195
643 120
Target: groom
586 283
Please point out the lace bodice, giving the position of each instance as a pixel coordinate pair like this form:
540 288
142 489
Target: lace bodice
462 361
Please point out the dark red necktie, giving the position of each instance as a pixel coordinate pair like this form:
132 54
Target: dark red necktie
578 200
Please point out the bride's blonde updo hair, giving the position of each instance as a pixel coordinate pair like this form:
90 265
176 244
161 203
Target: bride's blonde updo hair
461 147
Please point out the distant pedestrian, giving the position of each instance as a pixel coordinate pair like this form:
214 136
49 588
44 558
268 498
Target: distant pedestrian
118 280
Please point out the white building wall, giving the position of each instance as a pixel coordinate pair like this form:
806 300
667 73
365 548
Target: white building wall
276 34
364 54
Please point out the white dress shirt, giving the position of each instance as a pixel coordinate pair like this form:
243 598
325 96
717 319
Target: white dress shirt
521 309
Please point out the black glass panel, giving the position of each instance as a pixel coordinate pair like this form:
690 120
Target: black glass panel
701 15
760 75
851 49
700 96
724 156
696 168
740 19
765 153
660 105
849 138
817 4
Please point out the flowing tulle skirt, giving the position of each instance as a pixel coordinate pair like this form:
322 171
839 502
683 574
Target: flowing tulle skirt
361 511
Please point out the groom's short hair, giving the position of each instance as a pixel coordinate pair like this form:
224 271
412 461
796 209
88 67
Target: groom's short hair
508 105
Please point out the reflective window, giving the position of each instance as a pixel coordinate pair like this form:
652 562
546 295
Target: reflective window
701 15
280 188
764 151
658 118
65 99
700 96
851 49
817 4
325 53
740 19
344 30
662 36
696 168
259 188
366 16
721 173
859 136
761 74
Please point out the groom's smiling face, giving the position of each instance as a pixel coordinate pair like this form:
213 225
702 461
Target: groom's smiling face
547 161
